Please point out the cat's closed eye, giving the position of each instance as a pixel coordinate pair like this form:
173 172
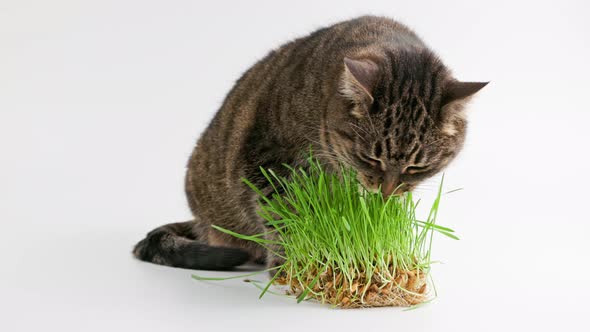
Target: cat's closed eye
415 169
374 162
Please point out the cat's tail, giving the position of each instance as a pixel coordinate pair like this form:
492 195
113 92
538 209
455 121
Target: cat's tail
175 245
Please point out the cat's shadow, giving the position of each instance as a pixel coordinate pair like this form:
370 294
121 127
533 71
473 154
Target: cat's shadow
249 267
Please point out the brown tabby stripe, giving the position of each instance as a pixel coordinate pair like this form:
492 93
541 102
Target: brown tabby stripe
386 105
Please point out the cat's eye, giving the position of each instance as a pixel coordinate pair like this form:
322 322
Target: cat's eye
374 162
415 169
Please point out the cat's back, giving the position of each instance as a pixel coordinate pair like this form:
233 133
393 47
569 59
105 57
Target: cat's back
319 55
328 46
369 31
293 77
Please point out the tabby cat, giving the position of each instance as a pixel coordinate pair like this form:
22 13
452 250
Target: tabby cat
366 92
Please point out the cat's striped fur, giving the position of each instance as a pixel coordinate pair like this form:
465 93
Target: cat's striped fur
366 92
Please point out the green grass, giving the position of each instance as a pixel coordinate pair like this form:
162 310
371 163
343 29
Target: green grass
346 246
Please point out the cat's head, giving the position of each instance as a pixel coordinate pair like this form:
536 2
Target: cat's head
402 120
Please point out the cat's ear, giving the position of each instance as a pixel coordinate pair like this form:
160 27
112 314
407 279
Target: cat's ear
358 80
456 91
455 94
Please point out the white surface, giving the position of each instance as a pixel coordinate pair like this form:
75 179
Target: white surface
100 105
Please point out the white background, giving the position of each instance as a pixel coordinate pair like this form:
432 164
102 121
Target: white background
101 103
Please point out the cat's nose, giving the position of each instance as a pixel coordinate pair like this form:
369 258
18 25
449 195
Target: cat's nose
389 186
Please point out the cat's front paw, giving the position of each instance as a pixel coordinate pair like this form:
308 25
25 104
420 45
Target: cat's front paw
274 264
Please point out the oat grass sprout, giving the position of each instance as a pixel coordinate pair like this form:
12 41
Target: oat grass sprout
343 245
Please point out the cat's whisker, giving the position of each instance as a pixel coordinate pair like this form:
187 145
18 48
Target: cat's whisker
359 135
354 125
